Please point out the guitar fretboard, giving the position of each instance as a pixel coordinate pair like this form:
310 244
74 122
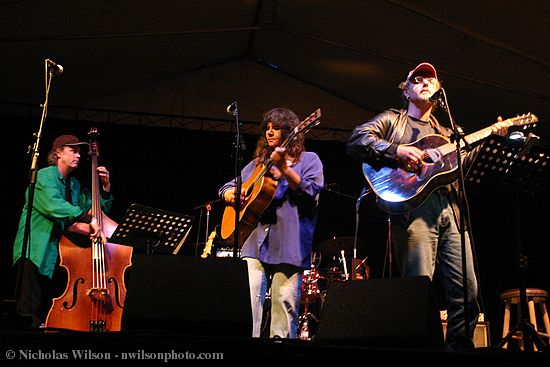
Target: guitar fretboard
472 138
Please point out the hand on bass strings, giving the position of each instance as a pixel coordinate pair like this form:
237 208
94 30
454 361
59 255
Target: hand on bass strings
104 178
91 230
96 231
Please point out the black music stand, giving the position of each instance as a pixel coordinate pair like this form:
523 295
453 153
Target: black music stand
521 164
155 230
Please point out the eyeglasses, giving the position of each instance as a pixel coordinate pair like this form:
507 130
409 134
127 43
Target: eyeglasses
421 79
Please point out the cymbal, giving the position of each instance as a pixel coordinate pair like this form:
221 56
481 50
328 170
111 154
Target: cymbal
333 247
332 274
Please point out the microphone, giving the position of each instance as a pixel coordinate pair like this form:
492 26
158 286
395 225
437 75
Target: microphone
232 108
54 67
436 97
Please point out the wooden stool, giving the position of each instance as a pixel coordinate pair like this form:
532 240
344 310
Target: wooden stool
534 295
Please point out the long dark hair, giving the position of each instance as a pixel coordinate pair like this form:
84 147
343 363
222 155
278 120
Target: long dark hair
286 120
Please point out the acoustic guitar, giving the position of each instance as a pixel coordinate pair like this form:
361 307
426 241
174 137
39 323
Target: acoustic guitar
400 189
260 191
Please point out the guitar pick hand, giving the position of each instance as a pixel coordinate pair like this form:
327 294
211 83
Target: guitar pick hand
229 197
410 155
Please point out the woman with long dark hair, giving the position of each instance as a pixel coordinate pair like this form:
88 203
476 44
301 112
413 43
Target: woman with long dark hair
279 249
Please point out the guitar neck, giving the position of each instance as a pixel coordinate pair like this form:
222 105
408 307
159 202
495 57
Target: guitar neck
470 139
524 119
477 136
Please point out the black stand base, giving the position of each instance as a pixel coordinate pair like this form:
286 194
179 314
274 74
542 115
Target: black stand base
526 331
10 319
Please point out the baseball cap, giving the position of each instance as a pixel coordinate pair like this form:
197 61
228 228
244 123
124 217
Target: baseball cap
424 68
69 140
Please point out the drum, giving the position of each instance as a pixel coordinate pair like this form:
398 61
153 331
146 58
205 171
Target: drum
311 304
310 287
225 252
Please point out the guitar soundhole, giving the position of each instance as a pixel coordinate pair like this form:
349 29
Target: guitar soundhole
250 190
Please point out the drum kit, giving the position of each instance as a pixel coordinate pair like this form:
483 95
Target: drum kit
332 261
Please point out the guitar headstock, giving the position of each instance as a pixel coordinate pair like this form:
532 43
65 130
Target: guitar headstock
525 119
309 122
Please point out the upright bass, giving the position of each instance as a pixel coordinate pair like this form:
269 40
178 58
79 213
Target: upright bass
93 300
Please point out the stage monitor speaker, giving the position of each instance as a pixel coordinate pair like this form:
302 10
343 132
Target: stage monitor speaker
192 296
397 312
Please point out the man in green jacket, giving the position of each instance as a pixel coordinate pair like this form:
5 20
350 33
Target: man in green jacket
60 205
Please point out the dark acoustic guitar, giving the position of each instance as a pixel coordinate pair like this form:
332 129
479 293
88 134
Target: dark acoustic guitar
260 191
400 189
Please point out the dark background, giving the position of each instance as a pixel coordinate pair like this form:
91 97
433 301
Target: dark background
176 169
188 57
131 67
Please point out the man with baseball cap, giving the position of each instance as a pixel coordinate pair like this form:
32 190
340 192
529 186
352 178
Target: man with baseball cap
428 233
60 204
69 140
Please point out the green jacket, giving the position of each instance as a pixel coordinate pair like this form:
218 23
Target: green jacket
51 215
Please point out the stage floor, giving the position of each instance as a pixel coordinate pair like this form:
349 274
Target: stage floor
172 346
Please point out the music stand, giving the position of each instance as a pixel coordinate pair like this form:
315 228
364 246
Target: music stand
521 164
156 230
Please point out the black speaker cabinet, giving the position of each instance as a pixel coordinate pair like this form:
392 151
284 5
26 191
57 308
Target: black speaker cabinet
397 312
189 295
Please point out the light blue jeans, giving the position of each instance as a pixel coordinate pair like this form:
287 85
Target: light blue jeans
428 236
286 282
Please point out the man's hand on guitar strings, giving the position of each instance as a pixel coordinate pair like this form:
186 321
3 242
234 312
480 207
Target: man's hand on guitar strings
410 156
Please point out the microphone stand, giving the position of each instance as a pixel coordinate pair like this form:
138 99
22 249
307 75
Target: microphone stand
355 262
34 151
364 192
239 147
198 233
208 207
458 137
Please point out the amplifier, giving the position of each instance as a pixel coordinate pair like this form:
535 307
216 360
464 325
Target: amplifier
481 332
